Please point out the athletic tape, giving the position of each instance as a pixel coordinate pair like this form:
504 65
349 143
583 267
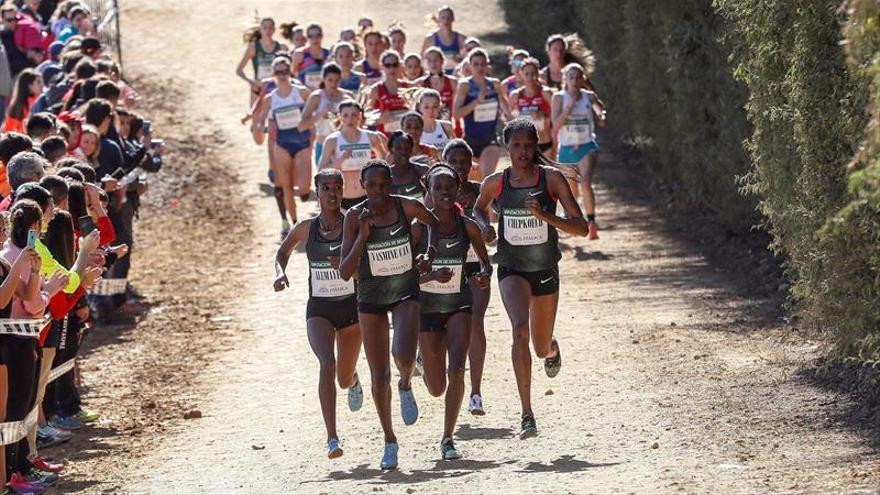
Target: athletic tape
13 431
109 287
24 328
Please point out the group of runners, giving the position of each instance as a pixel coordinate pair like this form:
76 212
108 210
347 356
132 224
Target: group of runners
405 146
74 155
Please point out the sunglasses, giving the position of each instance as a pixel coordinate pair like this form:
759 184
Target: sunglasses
517 62
10 19
391 65
281 72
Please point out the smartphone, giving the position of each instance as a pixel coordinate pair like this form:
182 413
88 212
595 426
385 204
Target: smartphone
32 238
86 225
146 127
157 142
118 173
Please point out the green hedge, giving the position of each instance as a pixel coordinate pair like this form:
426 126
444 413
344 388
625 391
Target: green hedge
759 97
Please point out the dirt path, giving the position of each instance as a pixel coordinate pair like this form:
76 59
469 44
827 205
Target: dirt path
673 380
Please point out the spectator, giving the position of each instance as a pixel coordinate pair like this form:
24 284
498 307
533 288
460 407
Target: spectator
80 23
54 148
27 87
40 126
11 144
17 58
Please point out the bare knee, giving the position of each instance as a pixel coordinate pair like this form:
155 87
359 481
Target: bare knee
404 362
328 367
380 378
520 335
436 387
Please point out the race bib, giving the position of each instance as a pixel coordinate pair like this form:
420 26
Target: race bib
313 80
521 228
486 111
263 72
394 124
326 281
288 117
391 257
576 131
454 284
360 155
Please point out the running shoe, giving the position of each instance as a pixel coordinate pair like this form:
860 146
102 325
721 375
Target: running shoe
355 395
552 365
529 428
476 405
285 228
42 477
47 438
64 435
447 448
389 457
21 485
87 415
593 233
420 366
409 410
66 422
43 463
333 449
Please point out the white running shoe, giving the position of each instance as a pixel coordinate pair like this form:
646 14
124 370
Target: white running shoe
476 405
409 410
448 450
389 457
355 394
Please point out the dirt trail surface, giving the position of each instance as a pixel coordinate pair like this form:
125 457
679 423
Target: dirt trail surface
673 378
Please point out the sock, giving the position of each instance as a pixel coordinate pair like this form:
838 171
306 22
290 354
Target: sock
591 217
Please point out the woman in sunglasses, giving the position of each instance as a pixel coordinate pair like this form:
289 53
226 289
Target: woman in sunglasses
310 59
385 96
284 106
514 80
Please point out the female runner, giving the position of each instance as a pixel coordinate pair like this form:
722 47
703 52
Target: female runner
576 114
435 132
350 80
514 80
377 243
295 34
407 175
413 124
310 59
322 107
524 197
445 300
371 65
292 145
412 67
397 36
563 50
449 41
385 95
477 102
459 156
349 149
331 312
261 50
532 101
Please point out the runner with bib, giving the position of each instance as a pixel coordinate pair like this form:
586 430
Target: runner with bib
406 175
449 41
397 38
435 132
460 157
310 59
322 107
563 50
260 52
477 102
532 101
349 80
576 113
412 67
284 106
295 34
371 65
349 149
377 244
331 311
525 197
385 96
445 299
515 79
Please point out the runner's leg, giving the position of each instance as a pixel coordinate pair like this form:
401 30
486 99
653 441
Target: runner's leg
285 179
405 318
303 175
433 347
375 333
348 349
516 293
458 330
321 337
477 352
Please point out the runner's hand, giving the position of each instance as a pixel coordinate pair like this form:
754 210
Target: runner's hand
334 262
442 275
256 87
365 221
483 280
281 282
533 205
423 264
488 234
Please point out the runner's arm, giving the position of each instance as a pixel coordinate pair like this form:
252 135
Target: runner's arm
328 155
574 224
484 200
309 115
299 233
599 110
505 108
249 53
354 241
459 109
415 210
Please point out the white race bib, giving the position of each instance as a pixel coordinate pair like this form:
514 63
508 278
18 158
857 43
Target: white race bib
451 287
360 155
486 111
521 228
576 131
394 124
263 72
288 117
313 80
326 281
389 258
